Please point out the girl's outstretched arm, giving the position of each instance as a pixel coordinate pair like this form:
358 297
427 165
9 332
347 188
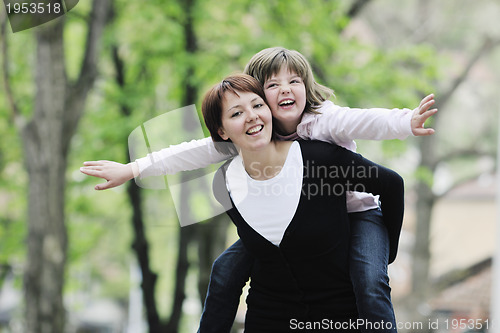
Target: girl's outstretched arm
337 124
192 155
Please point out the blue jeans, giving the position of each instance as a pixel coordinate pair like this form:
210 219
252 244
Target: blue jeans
368 267
230 272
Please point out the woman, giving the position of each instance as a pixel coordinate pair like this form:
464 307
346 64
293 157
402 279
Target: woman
281 196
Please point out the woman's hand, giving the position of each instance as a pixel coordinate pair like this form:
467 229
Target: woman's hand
115 173
421 114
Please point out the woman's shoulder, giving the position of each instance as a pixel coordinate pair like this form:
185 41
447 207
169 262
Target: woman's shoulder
322 152
316 146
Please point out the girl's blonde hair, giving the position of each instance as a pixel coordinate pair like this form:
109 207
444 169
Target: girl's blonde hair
269 62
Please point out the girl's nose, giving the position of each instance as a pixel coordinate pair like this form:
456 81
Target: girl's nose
285 89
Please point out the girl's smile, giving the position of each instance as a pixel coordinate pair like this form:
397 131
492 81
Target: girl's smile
286 103
286 94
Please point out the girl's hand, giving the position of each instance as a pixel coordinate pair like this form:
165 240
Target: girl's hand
115 173
421 114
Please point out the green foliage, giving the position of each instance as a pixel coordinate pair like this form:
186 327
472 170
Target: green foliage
150 41
75 32
11 231
13 178
424 175
394 148
21 53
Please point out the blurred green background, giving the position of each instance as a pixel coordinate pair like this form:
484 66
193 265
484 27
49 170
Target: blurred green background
73 259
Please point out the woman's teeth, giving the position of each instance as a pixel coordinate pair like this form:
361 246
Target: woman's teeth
255 129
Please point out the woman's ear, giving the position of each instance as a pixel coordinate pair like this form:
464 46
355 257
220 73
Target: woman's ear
222 134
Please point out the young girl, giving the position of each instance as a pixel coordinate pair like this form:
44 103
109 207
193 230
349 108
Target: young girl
300 238
301 110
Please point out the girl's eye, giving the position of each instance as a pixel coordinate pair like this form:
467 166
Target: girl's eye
295 81
271 85
258 106
237 113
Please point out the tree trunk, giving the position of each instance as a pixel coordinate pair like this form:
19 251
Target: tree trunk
46 164
185 237
46 138
426 199
141 247
140 244
187 233
421 250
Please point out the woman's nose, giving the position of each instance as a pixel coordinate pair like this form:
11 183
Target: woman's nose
252 115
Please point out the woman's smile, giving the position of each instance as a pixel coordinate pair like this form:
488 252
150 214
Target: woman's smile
246 120
255 130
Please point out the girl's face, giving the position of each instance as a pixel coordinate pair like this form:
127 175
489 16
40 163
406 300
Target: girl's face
246 120
286 94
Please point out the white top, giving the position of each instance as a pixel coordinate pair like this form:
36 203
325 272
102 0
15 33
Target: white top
268 206
334 124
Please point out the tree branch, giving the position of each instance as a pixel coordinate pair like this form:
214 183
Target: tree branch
5 269
120 77
487 46
99 17
461 153
353 11
356 7
459 182
318 72
15 115
78 15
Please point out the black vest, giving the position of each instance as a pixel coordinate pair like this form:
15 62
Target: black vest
306 279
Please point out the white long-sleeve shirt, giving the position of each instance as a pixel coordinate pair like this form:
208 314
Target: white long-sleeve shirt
334 124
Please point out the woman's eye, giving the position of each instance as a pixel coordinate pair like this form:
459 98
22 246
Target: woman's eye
237 113
258 106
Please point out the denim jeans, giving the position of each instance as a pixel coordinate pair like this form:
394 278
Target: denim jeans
368 267
230 272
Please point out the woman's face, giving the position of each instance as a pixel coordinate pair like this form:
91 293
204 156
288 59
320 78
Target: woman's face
246 120
286 94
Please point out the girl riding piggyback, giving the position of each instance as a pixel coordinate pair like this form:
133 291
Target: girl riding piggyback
301 110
